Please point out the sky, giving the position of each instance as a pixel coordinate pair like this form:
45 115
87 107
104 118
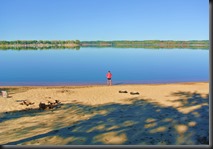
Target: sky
89 20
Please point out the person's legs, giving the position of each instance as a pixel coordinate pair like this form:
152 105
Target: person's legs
110 81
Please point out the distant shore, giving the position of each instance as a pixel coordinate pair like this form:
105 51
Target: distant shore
46 44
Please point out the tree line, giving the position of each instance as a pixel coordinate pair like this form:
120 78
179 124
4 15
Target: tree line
4 42
45 44
203 44
39 44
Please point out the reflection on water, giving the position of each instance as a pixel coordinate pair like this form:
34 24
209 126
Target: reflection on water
90 65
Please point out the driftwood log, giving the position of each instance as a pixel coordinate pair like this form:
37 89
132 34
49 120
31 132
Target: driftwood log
134 93
49 105
123 91
27 103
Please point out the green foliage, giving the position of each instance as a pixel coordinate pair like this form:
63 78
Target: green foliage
47 44
203 44
39 44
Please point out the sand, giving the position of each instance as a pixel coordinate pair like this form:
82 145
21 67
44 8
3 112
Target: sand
161 114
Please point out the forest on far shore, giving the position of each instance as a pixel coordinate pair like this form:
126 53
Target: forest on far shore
76 44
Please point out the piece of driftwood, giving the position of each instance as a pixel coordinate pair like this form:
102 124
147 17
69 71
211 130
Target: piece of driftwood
54 103
123 91
49 105
134 93
43 106
27 103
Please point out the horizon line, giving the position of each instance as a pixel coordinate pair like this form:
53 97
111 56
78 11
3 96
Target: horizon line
104 40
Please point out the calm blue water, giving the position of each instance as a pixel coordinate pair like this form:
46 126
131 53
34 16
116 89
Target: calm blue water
90 65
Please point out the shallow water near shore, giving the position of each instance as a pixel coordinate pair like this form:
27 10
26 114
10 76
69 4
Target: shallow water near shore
90 65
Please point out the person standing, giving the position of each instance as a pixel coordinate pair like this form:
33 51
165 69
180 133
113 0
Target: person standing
109 78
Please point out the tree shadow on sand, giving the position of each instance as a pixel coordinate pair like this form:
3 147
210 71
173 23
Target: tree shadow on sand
139 123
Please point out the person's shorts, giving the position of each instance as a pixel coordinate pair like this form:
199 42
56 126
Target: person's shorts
109 78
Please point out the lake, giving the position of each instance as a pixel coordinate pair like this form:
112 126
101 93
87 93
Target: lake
89 65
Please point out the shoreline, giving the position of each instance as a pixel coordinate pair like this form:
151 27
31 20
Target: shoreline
102 84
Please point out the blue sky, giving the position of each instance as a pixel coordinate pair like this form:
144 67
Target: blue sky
104 20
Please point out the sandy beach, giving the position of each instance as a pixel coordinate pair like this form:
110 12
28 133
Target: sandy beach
160 114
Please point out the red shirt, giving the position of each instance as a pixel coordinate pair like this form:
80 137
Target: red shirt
109 75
